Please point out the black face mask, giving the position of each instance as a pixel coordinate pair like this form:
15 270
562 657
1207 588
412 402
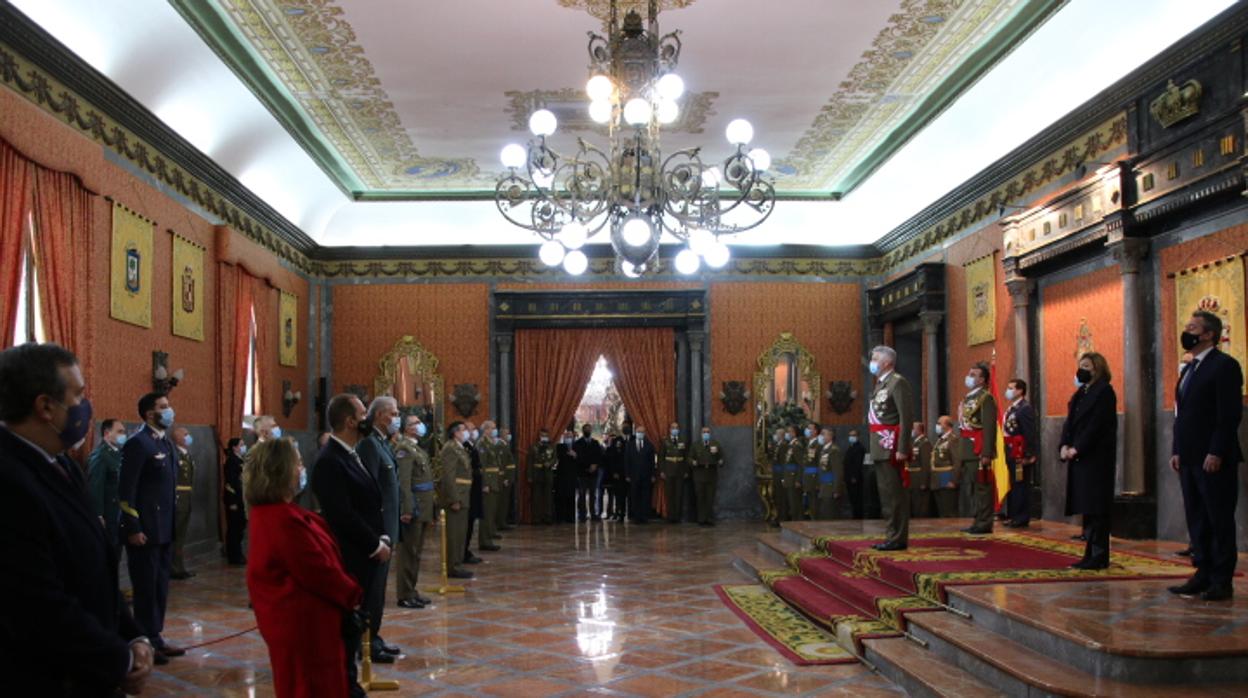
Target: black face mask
628 431
1188 340
1084 376
366 427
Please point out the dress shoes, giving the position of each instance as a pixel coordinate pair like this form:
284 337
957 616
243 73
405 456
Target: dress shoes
472 559
181 575
1017 524
1089 565
1080 537
977 531
383 646
1191 587
1218 592
383 658
172 650
423 599
159 658
877 546
1185 552
460 574
489 548
410 603
887 547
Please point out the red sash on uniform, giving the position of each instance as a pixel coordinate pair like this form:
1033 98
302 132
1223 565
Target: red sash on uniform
1014 447
889 434
984 474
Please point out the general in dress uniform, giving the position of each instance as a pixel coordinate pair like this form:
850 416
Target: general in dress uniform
1019 429
978 427
705 458
507 489
888 414
793 470
541 478
674 461
946 467
919 470
185 493
810 471
778 454
831 478
491 484
453 473
415 510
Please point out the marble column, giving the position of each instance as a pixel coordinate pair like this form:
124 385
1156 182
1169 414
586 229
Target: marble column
696 341
1129 252
1021 290
503 343
931 320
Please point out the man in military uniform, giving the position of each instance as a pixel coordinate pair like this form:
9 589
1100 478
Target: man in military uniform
103 473
831 478
507 490
946 467
810 471
454 489
978 426
376 455
542 461
491 486
793 471
185 489
888 414
674 457
855 479
919 470
415 509
777 451
1019 429
705 458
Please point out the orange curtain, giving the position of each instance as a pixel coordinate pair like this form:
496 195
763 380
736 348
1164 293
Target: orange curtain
643 361
15 192
62 212
265 298
234 289
552 369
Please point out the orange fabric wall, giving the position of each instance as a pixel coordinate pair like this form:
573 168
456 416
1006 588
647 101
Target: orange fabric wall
117 355
961 357
747 317
1224 243
1096 297
450 320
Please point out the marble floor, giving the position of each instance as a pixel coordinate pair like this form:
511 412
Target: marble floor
593 609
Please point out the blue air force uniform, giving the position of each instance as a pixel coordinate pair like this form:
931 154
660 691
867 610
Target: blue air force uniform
149 475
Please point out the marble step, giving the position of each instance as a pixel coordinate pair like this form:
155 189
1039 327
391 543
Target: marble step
1019 671
776 547
921 672
747 560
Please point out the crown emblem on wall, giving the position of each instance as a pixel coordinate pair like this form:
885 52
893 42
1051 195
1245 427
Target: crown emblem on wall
1176 103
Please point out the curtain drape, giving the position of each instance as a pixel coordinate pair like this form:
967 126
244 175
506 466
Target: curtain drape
15 201
234 293
643 361
265 300
62 215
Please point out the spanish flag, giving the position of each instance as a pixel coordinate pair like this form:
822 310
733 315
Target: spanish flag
1000 471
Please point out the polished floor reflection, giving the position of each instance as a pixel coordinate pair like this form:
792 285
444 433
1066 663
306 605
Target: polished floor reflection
602 609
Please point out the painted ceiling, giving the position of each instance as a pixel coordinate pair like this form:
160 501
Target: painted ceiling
399 99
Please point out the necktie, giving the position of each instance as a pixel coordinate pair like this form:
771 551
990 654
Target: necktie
1187 377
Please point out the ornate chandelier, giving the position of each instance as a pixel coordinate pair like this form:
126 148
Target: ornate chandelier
633 191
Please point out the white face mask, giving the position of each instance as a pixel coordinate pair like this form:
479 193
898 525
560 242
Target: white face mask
939 430
874 368
1010 394
971 382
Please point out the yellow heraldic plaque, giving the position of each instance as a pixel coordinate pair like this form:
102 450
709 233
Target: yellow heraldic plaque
188 289
130 299
981 301
1217 287
288 330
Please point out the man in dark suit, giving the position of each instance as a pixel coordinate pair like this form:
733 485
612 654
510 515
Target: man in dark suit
351 504
149 475
1206 455
640 458
588 454
374 450
66 630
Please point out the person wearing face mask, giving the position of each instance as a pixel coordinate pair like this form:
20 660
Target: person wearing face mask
184 493
266 428
946 467
491 482
831 477
1205 455
64 615
613 479
149 472
565 479
978 427
890 409
855 454
588 463
1089 446
640 460
778 452
795 457
1020 439
235 510
705 458
103 473
378 457
415 509
919 470
674 457
453 469
507 488
540 476
476 499
810 471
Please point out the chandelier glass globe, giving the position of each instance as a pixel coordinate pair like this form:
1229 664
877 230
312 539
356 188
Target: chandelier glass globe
636 232
739 132
600 111
575 263
573 235
629 270
543 122
761 159
551 253
513 155
599 88
637 111
687 261
670 87
666 111
717 255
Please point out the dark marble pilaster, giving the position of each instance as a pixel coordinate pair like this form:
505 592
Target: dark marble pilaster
931 320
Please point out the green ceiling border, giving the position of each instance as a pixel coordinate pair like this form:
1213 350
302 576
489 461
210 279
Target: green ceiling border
218 32
1026 19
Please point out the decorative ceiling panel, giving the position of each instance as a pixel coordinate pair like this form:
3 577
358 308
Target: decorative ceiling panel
403 100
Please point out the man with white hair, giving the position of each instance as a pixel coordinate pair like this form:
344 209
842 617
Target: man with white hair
378 458
266 428
889 414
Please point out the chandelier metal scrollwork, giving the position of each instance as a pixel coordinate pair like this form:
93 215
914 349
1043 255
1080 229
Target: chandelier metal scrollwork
633 191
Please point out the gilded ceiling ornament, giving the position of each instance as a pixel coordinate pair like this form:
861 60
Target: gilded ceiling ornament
1176 103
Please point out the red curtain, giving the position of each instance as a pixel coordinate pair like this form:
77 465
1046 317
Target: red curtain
62 212
15 201
265 300
554 366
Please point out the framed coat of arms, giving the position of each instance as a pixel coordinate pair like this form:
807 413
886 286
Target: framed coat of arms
288 330
130 283
981 301
188 289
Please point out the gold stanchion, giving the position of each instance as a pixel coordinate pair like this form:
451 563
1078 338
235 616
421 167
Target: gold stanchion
447 587
367 682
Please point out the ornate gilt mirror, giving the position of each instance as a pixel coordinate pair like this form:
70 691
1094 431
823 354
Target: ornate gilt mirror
409 373
786 381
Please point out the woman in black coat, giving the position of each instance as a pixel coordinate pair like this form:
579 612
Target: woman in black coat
235 512
1090 450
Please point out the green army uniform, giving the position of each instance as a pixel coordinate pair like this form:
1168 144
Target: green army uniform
674 460
416 501
103 477
779 497
831 482
453 475
919 468
491 482
810 478
946 462
705 459
890 415
793 478
506 490
542 461
979 424
182 522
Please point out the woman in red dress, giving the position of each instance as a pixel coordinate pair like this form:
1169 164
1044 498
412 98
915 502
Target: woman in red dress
298 587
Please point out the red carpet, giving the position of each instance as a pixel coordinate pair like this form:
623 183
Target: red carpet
777 624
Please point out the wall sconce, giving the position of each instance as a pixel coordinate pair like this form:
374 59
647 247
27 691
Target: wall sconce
162 380
289 399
